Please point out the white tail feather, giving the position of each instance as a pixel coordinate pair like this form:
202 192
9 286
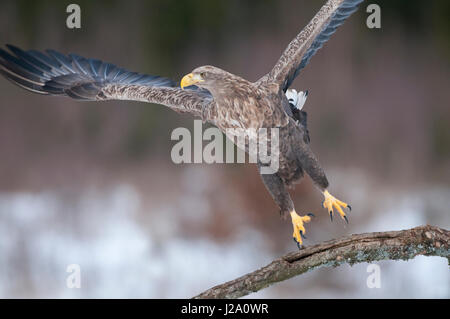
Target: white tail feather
296 99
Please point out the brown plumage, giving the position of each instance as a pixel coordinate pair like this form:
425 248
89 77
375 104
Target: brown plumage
218 97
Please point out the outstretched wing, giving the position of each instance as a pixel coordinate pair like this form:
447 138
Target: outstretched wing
309 41
93 80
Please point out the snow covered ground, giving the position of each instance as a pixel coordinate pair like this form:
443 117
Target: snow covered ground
120 256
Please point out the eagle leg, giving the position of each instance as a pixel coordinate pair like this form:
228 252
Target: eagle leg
277 189
331 202
310 164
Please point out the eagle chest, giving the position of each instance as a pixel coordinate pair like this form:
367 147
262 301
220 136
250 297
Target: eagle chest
250 111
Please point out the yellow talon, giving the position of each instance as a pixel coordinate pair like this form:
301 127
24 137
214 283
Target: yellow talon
299 229
331 202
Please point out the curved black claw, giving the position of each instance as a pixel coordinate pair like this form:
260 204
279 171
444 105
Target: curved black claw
331 215
301 234
346 220
349 207
298 244
311 215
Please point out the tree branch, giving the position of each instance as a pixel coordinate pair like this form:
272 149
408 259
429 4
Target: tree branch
405 244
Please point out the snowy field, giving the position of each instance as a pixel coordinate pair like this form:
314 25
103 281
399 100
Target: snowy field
120 256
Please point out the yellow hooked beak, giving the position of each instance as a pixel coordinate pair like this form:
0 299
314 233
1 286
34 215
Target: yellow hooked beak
190 79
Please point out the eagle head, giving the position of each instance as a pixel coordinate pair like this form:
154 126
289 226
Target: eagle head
207 77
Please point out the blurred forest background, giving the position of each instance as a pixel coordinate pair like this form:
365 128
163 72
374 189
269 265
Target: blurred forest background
93 183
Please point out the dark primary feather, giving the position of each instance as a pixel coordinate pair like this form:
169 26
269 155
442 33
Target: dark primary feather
309 41
72 75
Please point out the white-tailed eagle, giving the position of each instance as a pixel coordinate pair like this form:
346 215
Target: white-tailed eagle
216 96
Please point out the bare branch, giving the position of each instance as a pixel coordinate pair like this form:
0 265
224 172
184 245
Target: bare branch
405 244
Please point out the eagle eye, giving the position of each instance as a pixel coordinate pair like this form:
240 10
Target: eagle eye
203 74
